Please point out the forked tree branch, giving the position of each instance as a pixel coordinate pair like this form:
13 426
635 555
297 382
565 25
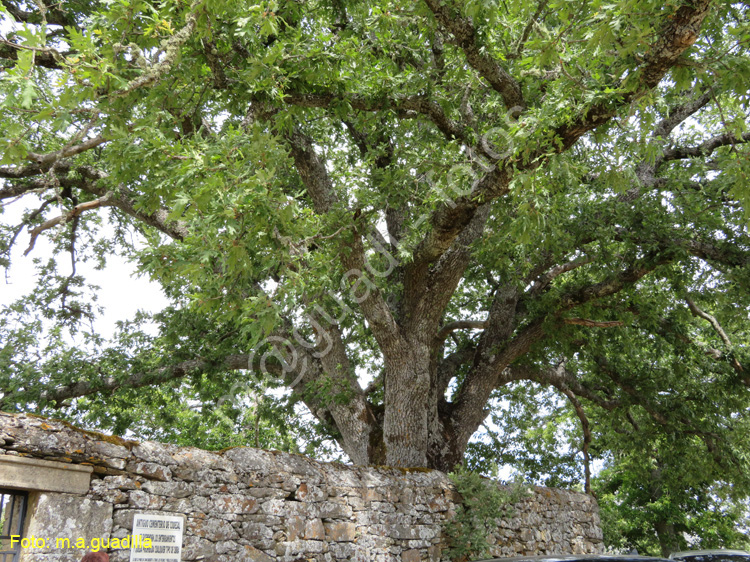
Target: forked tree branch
106 201
477 56
677 33
696 311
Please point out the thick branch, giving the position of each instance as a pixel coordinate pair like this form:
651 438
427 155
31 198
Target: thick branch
611 286
451 327
448 367
171 52
47 58
313 172
53 15
705 148
678 32
124 200
428 290
586 429
404 106
559 377
314 175
448 221
354 419
476 55
137 380
543 281
44 162
678 114
593 323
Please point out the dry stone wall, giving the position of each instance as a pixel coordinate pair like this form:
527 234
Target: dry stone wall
244 504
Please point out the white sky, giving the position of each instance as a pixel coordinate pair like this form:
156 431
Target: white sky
121 293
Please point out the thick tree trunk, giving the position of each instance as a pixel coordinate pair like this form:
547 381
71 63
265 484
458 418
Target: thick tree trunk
407 406
668 540
415 432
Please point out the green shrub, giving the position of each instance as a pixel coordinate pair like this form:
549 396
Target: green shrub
483 503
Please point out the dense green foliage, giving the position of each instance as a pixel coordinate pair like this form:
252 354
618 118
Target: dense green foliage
406 234
482 503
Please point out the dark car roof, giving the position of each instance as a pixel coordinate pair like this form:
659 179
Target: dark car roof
579 558
718 553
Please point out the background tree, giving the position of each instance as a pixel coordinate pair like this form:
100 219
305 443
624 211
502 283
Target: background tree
659 489
447 197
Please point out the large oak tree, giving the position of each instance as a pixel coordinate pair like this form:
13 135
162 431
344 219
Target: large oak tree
440 198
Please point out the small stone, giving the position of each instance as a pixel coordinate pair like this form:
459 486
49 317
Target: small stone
252 554
413 555
151 470
315 530
341 532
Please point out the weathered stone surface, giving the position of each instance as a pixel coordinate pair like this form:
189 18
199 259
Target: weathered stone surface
194 548
108 451
251 505
211 529
37 474
67 516
226 503
412 555
341 532
170 489
252 554
151 470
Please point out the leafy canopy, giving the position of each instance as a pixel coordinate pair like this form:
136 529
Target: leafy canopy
398 218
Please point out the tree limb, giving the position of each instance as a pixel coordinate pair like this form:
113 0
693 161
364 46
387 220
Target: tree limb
451 327
314 175
696 311
54 15
585 427
705 148
476 55
105 201
593 323
543 281
137 380
171 52
46 58
404 106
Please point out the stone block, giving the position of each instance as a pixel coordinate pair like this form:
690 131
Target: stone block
343 551
341 532
211 528
35 474
228 503
169 489
295 528
255 531
194 548
121 482
157 453
413 555
251 554
107 450
142 500
315 530
246 459
151 470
